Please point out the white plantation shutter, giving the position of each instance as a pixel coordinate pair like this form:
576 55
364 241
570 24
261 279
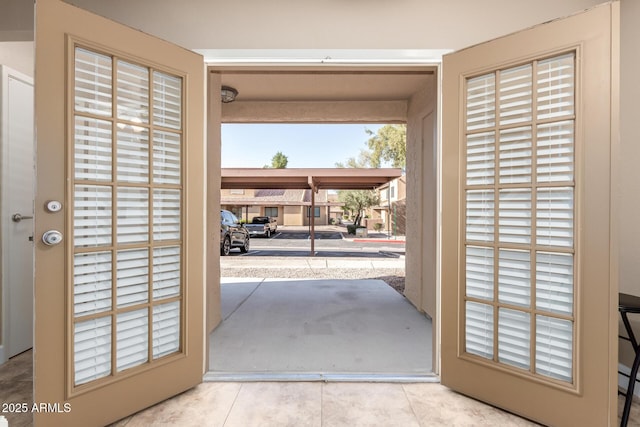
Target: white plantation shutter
92 349
479 329
92 283
92 149
133 215
166 272
92 215
93 83
515 95
514 336
554 347
515 216
515 155
166 214
514 277
481 158
554 282
132 343
519 225
166 329
481 98
479 272
166 158
133 155
132 277
167 100
127 216
133 92
554 217
480 215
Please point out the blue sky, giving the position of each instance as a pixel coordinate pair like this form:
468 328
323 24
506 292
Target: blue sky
305 145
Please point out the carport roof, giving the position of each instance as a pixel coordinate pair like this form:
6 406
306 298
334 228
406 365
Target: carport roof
314 178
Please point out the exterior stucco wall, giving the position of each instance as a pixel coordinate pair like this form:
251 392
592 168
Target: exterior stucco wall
293 215
321 220
421 185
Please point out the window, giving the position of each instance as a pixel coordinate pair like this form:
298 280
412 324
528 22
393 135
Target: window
392 191
519 227
273 212
127 191
316 212
236 192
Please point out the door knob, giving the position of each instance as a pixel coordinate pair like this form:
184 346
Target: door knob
19 217
52 237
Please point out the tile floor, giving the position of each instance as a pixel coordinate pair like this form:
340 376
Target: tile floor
16 386
321 404
328 404
282 404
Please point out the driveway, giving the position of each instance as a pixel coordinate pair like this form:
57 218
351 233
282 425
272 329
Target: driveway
330 241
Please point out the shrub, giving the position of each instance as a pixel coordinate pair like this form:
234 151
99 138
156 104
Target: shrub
378 226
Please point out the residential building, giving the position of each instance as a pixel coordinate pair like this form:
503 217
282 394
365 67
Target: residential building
391 212
289 207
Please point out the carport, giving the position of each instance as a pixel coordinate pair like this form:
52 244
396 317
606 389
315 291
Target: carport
313 179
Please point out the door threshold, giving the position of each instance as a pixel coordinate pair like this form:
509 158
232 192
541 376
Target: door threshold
318 377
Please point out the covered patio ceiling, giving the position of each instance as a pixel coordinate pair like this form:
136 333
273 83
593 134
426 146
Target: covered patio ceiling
314 178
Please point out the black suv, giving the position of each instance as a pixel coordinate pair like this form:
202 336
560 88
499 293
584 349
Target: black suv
232 233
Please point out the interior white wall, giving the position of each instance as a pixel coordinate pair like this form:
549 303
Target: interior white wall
629 190
338 24
18 55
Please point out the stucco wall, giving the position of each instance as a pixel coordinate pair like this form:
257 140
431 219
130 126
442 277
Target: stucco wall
321 220
293 215
421 179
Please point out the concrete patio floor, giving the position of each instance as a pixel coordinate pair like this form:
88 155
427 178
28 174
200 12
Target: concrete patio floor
276 329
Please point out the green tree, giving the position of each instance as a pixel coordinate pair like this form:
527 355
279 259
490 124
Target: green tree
357 201
363 161
278 161
389 144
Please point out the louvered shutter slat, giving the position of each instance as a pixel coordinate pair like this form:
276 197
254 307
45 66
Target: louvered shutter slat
479 329
132 346
514 333
92 350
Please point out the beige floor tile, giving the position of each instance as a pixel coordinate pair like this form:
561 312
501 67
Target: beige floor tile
208 404
366 404
634 414
277 405
436 405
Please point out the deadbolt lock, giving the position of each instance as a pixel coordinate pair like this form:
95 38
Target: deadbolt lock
52 237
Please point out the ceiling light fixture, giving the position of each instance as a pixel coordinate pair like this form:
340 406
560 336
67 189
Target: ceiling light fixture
228 94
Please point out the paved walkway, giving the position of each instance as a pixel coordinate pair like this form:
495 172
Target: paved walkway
311 262
316 329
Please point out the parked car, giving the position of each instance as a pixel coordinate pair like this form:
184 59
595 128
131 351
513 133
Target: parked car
232 233
262 226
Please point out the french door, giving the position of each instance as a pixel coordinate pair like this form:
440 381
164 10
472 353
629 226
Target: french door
529 291
119 218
